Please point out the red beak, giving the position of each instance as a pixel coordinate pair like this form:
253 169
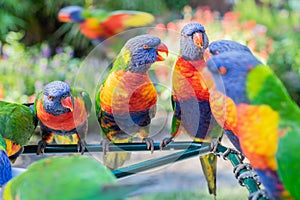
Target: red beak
207 54
162 52
67 103
63 17
198 39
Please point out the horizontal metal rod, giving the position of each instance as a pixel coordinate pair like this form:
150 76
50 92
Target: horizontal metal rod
157 162
72 148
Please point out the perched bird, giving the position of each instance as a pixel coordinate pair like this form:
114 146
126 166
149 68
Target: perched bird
17 125
221 46
260 112
99 24
73 177
214 48
190 97
126 100
62 111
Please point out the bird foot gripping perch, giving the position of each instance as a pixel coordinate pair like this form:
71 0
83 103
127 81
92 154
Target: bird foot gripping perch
243 172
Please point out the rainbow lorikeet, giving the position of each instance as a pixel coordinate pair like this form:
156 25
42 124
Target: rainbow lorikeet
73 177
260 112
62 111
99 24
126 101
190 97
214 48
17 125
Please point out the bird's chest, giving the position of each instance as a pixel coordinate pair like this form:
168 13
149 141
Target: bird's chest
188 81
128 92
67 121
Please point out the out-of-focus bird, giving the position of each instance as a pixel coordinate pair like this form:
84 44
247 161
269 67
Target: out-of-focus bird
17 125
126 100
190 97
73 177
260 112
215 48
62 111
99 24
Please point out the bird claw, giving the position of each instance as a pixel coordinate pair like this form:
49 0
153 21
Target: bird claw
214 145
41 147
165 142
105 146
150 144
81 146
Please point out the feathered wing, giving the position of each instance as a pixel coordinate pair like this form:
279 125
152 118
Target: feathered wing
107 123
17 125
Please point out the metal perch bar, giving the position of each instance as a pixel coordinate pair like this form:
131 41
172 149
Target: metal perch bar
189 149
150 164
72 148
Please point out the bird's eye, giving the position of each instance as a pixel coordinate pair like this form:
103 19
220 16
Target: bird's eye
82 94
50 98
185 35
222 70
66 95
145 46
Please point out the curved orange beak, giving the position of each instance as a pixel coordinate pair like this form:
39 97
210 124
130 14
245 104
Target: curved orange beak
67 103
64 17
198 39
162 52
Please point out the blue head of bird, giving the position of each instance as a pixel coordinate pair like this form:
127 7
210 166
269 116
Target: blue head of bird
57 98
193 41
230 70
142 52
221 46
71 13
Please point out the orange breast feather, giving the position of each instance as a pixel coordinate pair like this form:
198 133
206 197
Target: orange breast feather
125 92
258 132
67 121
188 80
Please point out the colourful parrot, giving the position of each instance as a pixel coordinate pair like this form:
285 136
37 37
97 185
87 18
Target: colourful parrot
214 48
17 125
126 101
260 112
190 97
99 24
73 177
62 111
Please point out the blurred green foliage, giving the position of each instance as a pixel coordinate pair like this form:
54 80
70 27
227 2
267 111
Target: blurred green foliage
25 70
283 27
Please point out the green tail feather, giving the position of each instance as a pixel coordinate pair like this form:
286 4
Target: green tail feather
209 167
114 160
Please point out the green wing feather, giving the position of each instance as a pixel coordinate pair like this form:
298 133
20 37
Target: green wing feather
265 88
82 94
78 177
17 122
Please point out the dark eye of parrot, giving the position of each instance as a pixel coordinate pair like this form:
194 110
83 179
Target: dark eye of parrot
50 98
145 46
222 70
82 94
66 95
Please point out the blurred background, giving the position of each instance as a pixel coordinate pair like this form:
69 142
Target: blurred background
35 48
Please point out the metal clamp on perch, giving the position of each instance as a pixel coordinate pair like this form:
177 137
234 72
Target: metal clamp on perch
243 172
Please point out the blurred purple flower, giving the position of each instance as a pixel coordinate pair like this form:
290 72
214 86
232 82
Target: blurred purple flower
46 51
59 50
38 86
